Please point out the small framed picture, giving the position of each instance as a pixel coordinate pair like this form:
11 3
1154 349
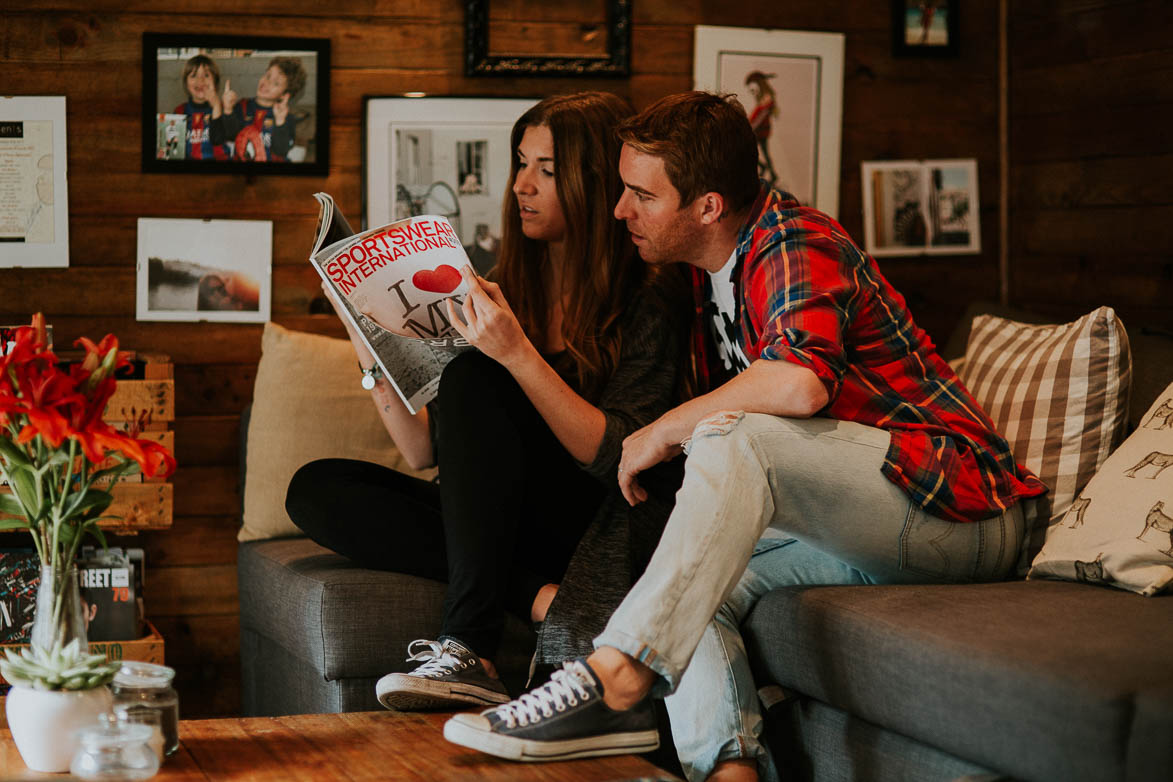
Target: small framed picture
440 156
235 104
921 207
790 83
925 28
215 270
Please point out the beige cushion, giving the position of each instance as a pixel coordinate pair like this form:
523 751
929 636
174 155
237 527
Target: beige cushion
1059 394
307 404
1120 530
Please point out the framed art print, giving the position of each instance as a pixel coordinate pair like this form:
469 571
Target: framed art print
440 156
214 270
34 204
921 207
925 28
791 85
235 104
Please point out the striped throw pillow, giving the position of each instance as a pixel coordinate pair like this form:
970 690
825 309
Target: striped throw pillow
1058 394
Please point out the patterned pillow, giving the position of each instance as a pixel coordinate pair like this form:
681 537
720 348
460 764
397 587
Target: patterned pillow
1120 530
1058 394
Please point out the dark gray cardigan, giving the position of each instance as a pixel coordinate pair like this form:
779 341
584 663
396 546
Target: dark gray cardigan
619 542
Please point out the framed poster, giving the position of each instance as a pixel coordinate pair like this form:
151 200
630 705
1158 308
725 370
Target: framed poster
215 270
440 156
791 85
235 104
921 207
34 204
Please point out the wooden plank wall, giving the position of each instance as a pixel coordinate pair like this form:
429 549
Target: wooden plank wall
90 51
1091 163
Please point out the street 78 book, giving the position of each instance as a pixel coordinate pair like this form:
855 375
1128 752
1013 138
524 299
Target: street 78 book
391 284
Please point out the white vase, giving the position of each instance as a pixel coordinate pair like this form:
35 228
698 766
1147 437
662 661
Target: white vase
44 723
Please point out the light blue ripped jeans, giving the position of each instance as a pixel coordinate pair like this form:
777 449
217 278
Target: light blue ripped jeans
798 502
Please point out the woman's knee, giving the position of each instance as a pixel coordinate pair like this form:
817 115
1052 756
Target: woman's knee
316 486
471 372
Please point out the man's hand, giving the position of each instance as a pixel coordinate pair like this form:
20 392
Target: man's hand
489 322
642 449
229 98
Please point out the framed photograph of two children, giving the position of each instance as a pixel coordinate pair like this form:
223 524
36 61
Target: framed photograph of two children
235 104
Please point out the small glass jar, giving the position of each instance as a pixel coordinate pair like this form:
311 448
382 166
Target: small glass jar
147 686
152 719
114 749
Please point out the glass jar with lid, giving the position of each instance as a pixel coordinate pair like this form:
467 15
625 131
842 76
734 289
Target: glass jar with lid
114 749
142 686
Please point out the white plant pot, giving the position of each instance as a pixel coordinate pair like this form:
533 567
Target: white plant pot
44 723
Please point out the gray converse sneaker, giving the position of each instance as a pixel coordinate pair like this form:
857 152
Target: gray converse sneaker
449 676
563 719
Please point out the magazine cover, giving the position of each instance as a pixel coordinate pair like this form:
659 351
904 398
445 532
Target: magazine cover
391 283
106 583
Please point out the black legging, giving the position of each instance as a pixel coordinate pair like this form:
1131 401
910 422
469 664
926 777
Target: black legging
503 522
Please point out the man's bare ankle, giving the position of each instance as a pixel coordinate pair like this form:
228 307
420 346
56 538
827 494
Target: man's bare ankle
625 680
740 770
490 669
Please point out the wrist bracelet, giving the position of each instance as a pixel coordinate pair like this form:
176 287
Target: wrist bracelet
370 375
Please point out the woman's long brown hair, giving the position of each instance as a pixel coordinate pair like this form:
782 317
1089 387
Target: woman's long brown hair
601 270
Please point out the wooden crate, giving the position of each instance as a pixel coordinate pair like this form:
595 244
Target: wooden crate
148 649
143 503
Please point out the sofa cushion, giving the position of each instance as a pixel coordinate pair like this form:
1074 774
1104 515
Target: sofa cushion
342 619
1037 679
307 404
1120 530
1058 393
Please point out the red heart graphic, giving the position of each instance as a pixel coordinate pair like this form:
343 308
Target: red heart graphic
442 279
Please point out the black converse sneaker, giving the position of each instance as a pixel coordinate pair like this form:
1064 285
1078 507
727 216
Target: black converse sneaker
563 719
449 676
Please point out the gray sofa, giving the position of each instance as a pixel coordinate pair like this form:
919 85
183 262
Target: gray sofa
1019 680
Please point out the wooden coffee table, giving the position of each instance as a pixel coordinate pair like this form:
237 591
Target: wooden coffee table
343 748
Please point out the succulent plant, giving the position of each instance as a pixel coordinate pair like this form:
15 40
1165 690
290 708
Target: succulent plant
60 668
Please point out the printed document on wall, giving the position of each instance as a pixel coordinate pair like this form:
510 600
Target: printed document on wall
34 217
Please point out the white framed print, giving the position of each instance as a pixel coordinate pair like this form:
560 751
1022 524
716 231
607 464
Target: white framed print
440 156
213 270
34 202
921 207
791 85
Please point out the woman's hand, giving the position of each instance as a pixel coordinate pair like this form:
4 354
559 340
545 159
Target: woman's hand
364 356
489 322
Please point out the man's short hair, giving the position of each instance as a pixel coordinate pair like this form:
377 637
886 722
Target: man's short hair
295 75
706 143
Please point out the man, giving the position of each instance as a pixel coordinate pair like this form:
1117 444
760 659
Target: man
899 479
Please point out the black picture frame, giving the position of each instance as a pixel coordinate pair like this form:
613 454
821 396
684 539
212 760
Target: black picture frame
938 33
236 57
479 62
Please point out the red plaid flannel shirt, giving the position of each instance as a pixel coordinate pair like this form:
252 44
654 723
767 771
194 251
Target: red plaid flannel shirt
807 294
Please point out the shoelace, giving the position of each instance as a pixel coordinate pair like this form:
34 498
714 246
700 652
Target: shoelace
438 660
564 689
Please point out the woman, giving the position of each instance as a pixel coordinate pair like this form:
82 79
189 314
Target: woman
574 354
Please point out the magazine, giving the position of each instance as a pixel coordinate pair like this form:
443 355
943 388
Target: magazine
391 283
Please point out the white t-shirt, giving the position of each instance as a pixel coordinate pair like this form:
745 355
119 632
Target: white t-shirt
724 323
